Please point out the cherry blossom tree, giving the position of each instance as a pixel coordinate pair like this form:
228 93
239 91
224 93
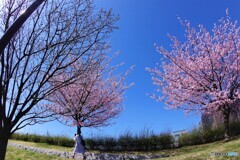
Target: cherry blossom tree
58 34
203 73
93 99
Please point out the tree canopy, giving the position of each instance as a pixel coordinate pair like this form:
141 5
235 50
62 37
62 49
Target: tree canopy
203 73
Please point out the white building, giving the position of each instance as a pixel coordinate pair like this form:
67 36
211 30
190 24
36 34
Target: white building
176 135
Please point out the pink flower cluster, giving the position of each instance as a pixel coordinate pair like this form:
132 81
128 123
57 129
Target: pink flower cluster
204 71
93 98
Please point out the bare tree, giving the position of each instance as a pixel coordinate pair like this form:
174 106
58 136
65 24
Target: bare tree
59 33
12 30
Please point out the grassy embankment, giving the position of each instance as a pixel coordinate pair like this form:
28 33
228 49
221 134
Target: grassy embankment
202 151
196 152
20 154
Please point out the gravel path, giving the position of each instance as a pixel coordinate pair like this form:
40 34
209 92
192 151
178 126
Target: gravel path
90 156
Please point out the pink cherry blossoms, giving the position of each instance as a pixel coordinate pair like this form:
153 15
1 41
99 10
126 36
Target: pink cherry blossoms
203 73
94 98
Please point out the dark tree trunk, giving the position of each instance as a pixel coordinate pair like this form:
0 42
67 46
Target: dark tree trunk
226 116
79 130
3 143
79 133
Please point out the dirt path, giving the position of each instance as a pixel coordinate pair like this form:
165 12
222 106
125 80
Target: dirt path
90 156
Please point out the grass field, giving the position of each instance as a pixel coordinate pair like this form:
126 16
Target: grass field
201 152
19 154
43 145
197 152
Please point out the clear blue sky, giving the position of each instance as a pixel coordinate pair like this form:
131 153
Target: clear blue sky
143 23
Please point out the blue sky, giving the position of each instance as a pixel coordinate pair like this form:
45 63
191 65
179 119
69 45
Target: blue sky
143 23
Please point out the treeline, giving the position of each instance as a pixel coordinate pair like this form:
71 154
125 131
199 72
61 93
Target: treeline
48 139
143 141
130 142
207 135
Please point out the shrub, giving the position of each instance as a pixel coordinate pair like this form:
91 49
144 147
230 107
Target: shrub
211 135
165 141
59 140
126 142
144 141
91 144
110 143
206 135
234 128
192 138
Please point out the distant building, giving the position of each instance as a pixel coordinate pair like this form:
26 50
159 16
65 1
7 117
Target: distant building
176 135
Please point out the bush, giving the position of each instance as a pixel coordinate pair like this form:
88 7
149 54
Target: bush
192 138
91 144
206 135
144 141
126 142
211 135
165 141
110 143
51 140
234 128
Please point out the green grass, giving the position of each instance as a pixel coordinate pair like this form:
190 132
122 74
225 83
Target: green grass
43 145
60 148
201 152
20 154
196 152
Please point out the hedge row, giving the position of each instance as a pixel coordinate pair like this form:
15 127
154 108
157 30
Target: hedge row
126 142
129 142
52 140
145 141
207 135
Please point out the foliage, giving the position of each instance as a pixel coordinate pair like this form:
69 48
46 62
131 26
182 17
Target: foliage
93 98
235 128
58 34
203 73
45 46
207 135
51 140
125 142
200 152
144 141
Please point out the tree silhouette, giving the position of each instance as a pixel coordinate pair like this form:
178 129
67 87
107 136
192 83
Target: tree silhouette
58 34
